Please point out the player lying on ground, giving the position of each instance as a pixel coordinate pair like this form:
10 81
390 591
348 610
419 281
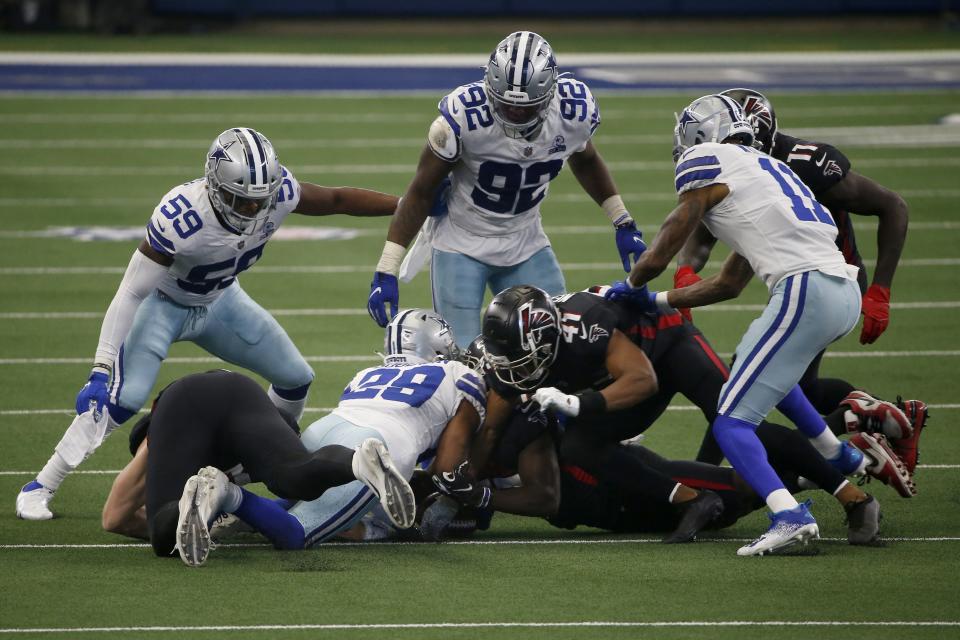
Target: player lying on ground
574 358
760 208
182 284
827 173
501 141
224 419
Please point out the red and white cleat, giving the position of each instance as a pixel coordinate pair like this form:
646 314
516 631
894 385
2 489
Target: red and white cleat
872 415
908 448
883 463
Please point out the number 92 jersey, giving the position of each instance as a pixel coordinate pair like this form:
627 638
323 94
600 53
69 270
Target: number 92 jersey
411 405
498 181
207 256
770 217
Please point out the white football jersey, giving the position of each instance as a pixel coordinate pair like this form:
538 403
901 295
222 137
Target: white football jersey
770 216
411 405
499 182
207 257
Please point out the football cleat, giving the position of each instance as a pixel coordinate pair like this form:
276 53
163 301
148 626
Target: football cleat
199 506
849 461
697 514
32 502
787 528
866 413
908 448
373 467
863 521
883 464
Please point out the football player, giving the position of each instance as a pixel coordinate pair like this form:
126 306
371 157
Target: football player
826 171
182 284
574 358
760 208
501 141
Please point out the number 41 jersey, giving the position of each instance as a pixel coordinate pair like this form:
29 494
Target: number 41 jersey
769 217
410 405
498 181
207 256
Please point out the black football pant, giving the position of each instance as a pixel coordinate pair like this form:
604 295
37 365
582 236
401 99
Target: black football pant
223 419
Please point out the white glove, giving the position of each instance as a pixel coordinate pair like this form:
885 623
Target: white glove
552 398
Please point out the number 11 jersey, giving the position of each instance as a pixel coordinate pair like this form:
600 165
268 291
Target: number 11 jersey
769 217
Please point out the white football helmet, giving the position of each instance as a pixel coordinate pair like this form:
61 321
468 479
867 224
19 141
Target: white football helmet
243 177
712 118
521 80
416 336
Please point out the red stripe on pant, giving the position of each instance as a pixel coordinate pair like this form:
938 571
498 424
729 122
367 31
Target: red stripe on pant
712 355
580 475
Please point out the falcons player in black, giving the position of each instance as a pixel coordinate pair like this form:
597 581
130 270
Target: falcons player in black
826 171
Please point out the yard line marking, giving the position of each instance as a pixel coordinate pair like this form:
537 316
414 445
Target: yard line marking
374 357
31 412
365 269
593 624
470 543
85 315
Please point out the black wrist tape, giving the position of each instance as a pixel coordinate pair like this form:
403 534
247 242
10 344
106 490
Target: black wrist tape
592 403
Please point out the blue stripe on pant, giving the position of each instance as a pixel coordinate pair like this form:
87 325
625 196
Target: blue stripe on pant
339 508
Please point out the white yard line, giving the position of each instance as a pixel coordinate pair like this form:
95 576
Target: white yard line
419 626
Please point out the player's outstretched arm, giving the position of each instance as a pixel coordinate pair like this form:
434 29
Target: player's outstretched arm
680 223
539 491
634 379
695 252
733 277
861 195
454 445
325 201
123 511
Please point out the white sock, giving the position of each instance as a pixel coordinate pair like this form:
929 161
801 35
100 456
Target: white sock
54 472
781 500
827 444
231 502
81 439
842 485
290 407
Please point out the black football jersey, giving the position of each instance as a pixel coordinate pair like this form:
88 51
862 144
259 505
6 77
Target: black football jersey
821 166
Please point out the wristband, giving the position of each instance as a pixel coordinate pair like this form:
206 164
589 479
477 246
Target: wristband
662 305
99 367
591 403
391 258
616 211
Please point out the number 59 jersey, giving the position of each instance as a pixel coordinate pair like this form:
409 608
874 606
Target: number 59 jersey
206 255
769 217
498 181
410 405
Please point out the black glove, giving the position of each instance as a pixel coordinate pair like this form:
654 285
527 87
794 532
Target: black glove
458 486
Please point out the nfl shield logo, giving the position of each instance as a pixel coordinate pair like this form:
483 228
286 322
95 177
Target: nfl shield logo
241 244
527 151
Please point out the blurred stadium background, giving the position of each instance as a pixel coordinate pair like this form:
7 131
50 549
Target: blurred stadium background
106 104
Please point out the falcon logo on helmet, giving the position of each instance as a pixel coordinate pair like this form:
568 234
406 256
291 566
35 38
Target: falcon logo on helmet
759 113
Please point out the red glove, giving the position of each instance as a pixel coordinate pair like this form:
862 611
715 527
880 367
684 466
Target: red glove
684 277
876 313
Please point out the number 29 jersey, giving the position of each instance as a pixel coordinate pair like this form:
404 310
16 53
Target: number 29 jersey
499 182
770 217
206 255
410 405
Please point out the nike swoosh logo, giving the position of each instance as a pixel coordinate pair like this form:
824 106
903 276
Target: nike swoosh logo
160 227
821 160
375 292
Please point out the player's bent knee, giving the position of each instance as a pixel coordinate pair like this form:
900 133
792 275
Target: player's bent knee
163 529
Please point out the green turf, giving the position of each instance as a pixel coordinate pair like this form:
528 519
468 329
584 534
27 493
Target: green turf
907 580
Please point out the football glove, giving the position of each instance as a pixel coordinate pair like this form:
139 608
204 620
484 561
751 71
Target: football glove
637 297
684 277
458 486
629 243
383 290
552 399
876 313
94 394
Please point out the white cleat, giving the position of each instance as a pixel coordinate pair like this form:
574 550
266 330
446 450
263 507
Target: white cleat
787 528
33 501
199 506
373 467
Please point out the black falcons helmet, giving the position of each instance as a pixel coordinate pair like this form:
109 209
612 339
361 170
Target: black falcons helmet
521 334
472 356
759 112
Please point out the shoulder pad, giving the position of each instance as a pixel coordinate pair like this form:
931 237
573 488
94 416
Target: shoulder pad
443 140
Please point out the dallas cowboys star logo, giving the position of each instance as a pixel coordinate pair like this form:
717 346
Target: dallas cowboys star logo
686 119
218 155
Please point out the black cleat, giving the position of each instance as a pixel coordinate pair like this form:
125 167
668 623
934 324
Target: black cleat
697 514
863 522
